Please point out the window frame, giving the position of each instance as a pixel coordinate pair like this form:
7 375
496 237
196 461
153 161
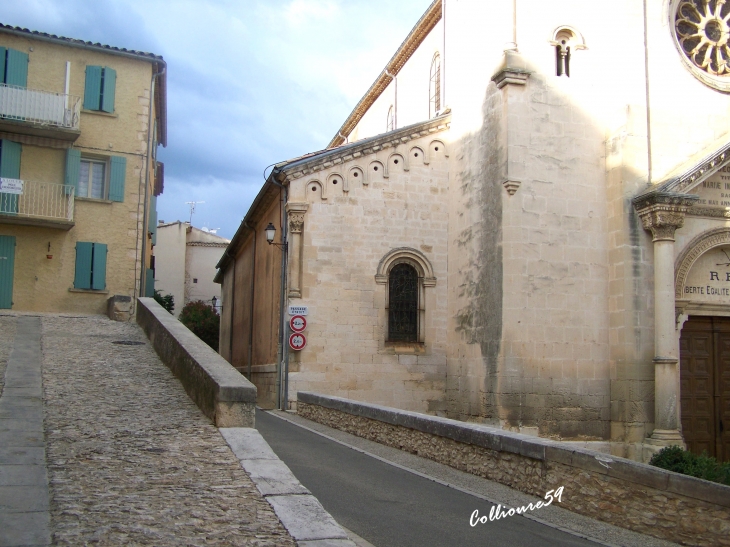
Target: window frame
105 182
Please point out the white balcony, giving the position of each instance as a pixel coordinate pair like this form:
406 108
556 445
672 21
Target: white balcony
39 113
37 203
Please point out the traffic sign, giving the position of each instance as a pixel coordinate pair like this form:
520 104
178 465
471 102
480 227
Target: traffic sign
297 341
298 310
298 323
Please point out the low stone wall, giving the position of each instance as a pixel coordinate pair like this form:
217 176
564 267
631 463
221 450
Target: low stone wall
622 492
221 392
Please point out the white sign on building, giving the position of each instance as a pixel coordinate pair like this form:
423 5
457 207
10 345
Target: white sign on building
11 186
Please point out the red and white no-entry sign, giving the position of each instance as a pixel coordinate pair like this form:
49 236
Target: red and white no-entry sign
297 341
298 323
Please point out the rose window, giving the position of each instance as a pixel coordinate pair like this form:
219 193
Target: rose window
702 31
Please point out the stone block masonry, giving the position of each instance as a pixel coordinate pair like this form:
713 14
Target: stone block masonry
622 492
220 391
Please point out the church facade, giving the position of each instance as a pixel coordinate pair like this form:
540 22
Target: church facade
524 222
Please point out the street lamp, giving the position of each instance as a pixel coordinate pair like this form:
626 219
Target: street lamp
270 234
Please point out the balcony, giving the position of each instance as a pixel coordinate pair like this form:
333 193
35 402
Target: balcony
39 113
36 203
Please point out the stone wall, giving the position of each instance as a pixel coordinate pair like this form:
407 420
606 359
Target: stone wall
639 497
223 394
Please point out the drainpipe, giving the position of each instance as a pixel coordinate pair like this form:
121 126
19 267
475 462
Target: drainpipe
253 294
145 211
233 302
395 100
282 355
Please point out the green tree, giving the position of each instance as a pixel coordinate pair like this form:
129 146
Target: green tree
203 320
167 301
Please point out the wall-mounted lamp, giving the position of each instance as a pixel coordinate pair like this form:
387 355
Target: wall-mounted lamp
270 234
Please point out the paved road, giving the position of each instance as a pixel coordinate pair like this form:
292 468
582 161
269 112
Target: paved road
390 507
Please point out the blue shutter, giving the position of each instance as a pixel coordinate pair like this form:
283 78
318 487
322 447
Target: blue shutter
73 164
152 220
98 267
7 265
2 65
149 284
16 72
109 84
118 173
82 280
9 168
92 89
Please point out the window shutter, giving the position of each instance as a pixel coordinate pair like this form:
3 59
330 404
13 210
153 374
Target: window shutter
118 173
9 168
92 88
17 68
2 65
82 280
108 90
152 220
73 164
149 284
98 267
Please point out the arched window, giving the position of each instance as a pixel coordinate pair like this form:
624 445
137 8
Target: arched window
403 304
566 41
434 88
390 123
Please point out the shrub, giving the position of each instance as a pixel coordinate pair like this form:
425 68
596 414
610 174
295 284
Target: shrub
673 458
203 320
167 301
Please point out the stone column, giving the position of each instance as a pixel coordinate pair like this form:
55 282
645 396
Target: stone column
663 214
296 227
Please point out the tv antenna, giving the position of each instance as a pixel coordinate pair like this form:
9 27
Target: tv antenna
192 208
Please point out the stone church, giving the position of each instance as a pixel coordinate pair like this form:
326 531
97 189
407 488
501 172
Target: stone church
525 222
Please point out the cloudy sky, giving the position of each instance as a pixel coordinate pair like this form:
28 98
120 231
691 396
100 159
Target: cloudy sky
250 82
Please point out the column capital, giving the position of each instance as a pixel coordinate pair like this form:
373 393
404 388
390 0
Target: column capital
662 212
296 216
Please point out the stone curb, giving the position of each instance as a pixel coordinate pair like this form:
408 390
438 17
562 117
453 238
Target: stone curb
299 511
531 447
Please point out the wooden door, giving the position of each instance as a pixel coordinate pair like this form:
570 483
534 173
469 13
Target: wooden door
705 385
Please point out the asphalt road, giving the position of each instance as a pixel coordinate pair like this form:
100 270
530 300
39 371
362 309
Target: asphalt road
390 507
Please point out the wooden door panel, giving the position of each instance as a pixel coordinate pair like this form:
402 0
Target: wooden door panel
722 398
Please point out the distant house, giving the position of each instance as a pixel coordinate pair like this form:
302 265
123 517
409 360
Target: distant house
80 124
185 263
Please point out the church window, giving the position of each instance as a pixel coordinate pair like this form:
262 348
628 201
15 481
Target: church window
403 304
390 122
434 91
701 28
566 42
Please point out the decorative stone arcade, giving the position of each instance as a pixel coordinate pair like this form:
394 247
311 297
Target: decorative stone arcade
662 214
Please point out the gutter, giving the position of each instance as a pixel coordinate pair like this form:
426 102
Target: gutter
282 353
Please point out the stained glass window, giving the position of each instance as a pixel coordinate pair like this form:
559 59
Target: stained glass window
403 304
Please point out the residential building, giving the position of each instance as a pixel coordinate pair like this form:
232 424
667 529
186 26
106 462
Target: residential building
524 222
185 259
80 124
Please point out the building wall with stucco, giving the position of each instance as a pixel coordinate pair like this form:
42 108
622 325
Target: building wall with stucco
45 253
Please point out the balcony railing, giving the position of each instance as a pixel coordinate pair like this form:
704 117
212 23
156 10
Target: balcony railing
39 107
40 200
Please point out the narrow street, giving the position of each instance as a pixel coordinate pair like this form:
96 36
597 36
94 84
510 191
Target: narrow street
391 507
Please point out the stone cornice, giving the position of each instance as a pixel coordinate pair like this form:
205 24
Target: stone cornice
698 173
369 146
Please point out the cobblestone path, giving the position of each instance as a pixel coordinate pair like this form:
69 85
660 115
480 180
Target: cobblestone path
131 460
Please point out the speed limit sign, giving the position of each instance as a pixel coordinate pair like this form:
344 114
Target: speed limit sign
297 341
298 323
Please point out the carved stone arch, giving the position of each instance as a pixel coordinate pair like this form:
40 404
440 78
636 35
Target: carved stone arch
315 188
354 175
335 180
694 250
416 154
396 158
436 147
570 35
410 256
374 169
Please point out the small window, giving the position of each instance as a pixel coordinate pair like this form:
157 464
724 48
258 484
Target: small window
390 122
100 88
92 179
90 266
566 42
403 304
434 90
195 279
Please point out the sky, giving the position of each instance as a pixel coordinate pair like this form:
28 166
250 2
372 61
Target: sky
250 82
